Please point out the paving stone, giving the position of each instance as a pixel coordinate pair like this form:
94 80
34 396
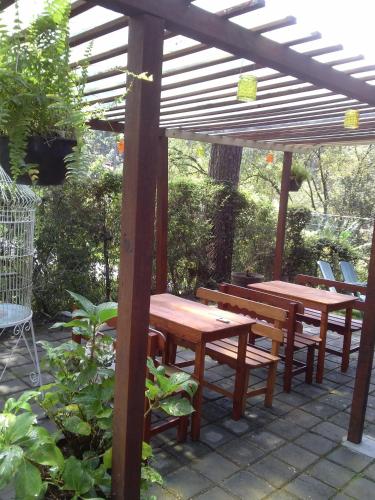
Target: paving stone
315 443
360 488
258 417
214 494
241 451
295 455
303 418
333 474
266 440
337 401
12 386
320 409
330 431
186 482
274 471
238 427
341 419
307 487
165 462
189 451
214 435
215 467
214 411
310 391
342 496
353 461
370 472
161 493
293 398
338 377
248 486
285 429
281 495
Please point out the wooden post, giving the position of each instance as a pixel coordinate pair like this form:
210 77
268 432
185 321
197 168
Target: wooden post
162 218
136 250
283 210
365 357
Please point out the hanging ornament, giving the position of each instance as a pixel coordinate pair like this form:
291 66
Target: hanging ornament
121 147
269 157
247 88
351 119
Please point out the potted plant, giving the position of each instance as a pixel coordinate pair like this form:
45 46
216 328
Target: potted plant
75 461
42 114
298 175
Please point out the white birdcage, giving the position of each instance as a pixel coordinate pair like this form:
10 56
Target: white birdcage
17 222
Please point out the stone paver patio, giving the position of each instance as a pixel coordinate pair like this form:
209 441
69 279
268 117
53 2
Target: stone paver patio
290 451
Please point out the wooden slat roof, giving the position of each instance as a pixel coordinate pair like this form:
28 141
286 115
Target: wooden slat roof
297 106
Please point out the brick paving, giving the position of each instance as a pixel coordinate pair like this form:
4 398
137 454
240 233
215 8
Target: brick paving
292 450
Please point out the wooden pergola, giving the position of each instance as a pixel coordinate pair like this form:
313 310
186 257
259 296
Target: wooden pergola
304 89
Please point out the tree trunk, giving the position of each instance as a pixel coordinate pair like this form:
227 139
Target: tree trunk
224 168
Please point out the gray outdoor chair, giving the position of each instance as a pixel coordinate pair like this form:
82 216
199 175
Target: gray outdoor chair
350 276
327 273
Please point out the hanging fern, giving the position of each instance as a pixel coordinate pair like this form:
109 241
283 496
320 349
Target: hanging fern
40 94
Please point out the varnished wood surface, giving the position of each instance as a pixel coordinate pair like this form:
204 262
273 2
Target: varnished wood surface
310 297
194 321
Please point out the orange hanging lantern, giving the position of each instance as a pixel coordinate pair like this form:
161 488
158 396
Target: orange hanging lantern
121 147
269 157
351 119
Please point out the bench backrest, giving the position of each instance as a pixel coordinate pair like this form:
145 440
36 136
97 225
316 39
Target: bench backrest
341 287
275 317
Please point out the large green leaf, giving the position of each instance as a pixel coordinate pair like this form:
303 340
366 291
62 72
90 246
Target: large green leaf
46 454
75 425
106 311
74 323
177 406
28 481
20 427
75 477
107 459
10 459
85 303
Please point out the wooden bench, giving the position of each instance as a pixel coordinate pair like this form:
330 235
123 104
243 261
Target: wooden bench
294 338
336 323
225 351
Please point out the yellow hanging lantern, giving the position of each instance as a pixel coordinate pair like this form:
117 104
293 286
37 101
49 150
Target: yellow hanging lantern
247 88
121 147
269 157
351 119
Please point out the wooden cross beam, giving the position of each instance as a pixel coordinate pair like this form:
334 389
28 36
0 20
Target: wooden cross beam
196 23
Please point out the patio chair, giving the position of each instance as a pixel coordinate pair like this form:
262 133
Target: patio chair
350 276
327 273
225 351
294 338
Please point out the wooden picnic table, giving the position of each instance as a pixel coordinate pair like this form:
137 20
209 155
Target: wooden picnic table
194 324
321 300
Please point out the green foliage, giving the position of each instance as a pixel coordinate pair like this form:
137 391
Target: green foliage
299 172
77 241
40 93
76 461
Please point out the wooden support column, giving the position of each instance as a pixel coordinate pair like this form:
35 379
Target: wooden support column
365 357
283 210
136 250
162 218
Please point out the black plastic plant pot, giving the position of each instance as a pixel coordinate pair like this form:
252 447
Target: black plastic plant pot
48 154
294 185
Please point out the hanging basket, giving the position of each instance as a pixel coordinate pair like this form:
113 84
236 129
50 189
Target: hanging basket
49 154
294 185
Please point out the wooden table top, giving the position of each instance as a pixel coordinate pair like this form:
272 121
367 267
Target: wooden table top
310 297
194 321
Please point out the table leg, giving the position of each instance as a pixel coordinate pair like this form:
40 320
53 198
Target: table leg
347 340
322 347
198 397
240 381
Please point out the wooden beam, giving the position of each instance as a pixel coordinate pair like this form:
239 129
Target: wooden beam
282 219
208 28
162 218
365 357
136 251
230 141
78 7
6 3
106 126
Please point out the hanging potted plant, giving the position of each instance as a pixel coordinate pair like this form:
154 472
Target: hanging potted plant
42 109
297 176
